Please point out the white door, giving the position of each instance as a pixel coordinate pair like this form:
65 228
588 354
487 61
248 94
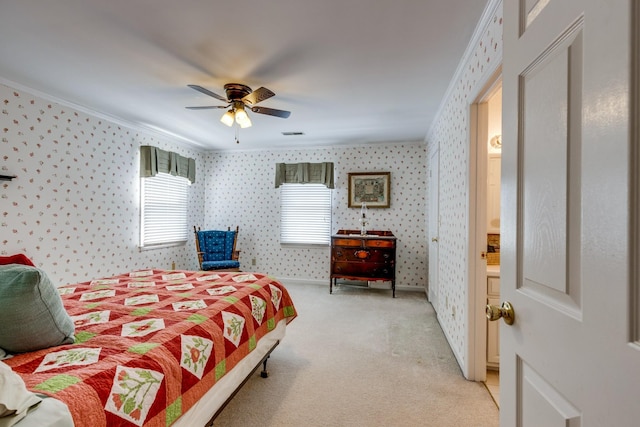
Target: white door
569 246
434 224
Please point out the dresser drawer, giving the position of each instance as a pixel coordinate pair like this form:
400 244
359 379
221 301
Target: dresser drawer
386 243
352 243
382 256
365 270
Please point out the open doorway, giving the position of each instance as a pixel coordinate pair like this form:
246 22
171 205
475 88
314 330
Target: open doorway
494 159
485 153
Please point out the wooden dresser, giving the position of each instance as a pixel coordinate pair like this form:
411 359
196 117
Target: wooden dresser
370 257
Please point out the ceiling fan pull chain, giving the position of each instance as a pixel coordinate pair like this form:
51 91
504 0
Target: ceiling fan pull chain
237 132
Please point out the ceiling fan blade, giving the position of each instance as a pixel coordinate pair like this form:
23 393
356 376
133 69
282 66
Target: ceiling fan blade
258 95
206 107
208 92
271 111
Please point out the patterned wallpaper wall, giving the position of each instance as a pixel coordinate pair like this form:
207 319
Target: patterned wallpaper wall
74 206
451 134
241 191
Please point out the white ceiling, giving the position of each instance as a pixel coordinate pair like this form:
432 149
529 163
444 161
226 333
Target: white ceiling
350 71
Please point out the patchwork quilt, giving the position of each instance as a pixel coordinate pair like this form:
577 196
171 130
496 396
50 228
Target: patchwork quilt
150 343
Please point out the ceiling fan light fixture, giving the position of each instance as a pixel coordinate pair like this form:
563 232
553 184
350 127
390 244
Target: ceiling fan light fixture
228 118
242 118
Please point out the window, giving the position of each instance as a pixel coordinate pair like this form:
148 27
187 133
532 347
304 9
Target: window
305 214
164 210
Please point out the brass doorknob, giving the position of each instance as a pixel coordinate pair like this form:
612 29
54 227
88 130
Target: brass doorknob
506 312
434 239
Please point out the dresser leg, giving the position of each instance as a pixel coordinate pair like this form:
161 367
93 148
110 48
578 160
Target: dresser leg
331 285
393 288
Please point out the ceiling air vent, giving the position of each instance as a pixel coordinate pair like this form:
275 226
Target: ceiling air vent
292 133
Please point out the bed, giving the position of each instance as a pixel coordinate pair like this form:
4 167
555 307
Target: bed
157 348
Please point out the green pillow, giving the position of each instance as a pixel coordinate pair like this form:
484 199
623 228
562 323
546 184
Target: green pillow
32 316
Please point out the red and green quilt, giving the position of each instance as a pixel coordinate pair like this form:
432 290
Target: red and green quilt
150 343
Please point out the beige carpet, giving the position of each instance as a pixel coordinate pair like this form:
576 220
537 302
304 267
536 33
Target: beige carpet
361 358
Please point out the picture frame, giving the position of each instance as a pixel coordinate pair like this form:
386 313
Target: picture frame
372 188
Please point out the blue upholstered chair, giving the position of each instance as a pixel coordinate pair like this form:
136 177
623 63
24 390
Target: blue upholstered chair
217 249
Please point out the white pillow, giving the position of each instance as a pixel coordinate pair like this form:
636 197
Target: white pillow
15 399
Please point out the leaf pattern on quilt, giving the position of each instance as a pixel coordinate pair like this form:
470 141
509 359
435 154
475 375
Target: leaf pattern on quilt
258 308
195 353
66 291
133 392
72 357
141 328
276 296
233 327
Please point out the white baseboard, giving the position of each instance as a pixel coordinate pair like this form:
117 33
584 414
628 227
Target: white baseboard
372 284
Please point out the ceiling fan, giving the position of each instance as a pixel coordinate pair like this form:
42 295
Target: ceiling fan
239 98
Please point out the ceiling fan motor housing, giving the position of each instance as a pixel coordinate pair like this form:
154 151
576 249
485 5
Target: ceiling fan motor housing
236 91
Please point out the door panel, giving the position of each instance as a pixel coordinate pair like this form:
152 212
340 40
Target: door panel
543 403
549 149
567 253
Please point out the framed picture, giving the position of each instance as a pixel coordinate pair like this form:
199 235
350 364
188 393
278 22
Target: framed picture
372 188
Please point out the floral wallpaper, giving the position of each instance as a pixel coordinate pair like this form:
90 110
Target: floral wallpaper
249 199
450 133
74 206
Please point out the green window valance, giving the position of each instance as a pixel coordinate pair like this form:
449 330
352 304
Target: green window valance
305 173
154 160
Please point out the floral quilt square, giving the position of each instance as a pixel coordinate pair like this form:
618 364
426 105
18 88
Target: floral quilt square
133 392
189 305
141 299
276 296
233 327
141 273
103 282
183 287
195 353
66 358
91 318
174 276
208 277
133 285
244 278
221 290
141 328
89 296
258 308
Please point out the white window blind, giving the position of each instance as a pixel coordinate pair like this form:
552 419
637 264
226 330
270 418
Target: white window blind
305 214
164 210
